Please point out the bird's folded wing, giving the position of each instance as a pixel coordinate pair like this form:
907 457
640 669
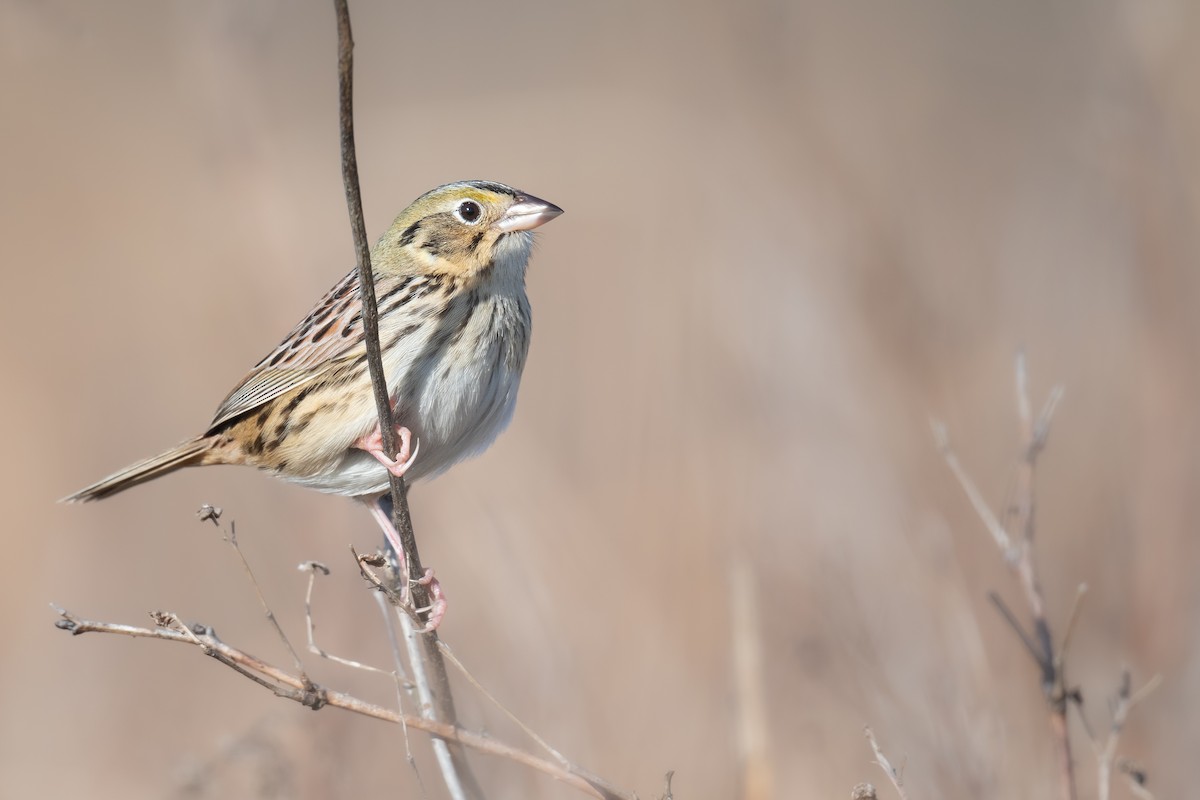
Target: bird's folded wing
330 333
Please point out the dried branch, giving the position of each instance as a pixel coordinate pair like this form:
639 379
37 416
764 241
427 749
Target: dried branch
990 521
1031 646
314 568
1072 618
365 563
1136 777
429 671
667 793
366 288
751 731
1015 541
448 654
208 513
1106 754
296 688
894 775
574 769
863 791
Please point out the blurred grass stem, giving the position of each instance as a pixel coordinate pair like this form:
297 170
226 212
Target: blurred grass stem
1014 538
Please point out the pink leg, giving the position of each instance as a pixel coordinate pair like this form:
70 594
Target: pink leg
390 533
373 444
437 597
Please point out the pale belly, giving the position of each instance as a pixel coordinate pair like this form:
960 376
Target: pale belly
455 407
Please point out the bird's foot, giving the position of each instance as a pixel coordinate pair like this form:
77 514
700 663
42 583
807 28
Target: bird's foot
373 444
437 601
437 597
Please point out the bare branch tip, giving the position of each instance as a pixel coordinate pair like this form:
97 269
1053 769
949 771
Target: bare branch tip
209 513
941 436
1146 690
894 775
66 621
1134 770
863 791
1041 429
1057 392
313 567
1021 367
667 795
1125 687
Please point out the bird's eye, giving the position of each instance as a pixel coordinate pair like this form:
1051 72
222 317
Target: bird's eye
468 211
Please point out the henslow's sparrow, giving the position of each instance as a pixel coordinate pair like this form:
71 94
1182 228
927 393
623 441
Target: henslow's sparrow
454 325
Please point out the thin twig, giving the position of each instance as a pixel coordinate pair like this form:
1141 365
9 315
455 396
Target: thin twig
231 538
1136 778
667 793
1015 541
1033 438
366 287
459 782
751 728
386 604
1122 704
296 688
574 768
210 513
1015 624
422 666
1024 407
1072 618
448 654
1041 428
314 568
894 775
1142 693
358 228
456 771
942 440
386 586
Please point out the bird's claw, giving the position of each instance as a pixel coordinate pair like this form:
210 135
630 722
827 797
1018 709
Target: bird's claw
373 444
437 601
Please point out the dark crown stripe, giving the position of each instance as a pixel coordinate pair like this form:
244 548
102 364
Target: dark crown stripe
410 233
498 188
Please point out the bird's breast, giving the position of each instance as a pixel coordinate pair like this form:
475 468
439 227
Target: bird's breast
462 393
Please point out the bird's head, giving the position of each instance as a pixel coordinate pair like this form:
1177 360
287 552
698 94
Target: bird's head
463 229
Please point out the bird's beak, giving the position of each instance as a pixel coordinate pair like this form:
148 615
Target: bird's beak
527 213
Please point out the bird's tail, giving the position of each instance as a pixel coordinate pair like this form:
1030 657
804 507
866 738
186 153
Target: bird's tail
185 455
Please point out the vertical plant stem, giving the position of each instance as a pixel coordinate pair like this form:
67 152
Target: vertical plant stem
436 701
366 287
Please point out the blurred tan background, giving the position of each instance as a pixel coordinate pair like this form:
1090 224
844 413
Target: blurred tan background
794 232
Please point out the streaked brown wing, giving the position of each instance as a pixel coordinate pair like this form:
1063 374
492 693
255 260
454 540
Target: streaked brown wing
332 331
